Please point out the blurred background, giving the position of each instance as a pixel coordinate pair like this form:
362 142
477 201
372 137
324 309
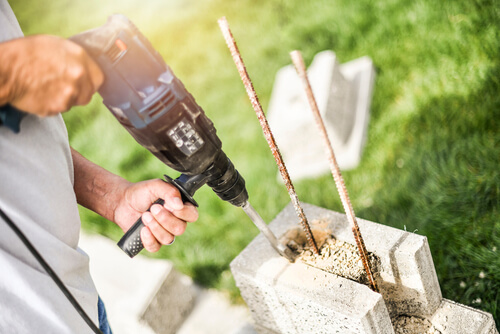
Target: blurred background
430 165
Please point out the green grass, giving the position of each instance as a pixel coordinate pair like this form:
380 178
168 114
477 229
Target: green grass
431 160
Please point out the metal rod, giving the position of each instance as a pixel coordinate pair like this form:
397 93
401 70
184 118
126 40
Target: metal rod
300 66
233 48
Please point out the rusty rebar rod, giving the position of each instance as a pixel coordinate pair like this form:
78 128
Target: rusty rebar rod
233 48
300 66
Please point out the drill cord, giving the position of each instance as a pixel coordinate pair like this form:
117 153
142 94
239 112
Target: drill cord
51 273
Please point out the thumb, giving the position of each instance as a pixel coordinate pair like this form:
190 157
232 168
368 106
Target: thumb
174 203
96 75
171 196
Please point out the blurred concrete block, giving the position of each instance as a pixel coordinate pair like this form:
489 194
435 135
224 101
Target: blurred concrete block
141 295
171 304
343 93
246 329
213 314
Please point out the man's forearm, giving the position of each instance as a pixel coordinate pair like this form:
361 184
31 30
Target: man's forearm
96 188
123 202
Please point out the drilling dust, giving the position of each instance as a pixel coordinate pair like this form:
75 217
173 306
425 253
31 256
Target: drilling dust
413 325
335 256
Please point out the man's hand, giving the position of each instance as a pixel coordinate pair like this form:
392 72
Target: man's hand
163 223
46 75
124 202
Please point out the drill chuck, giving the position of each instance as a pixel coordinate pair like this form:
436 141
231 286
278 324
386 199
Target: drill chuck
221 176
230 186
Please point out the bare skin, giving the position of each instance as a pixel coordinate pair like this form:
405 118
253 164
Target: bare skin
123 202
46 75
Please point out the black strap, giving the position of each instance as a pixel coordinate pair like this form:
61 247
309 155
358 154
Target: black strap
11 117
50 272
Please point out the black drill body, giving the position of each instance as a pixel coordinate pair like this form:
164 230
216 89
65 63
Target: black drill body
147 98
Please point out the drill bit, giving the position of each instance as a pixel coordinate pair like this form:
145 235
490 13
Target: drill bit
266 231
298 61
233 48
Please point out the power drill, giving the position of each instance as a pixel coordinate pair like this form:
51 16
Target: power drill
147 98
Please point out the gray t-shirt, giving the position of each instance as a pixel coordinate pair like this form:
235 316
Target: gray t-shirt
36 191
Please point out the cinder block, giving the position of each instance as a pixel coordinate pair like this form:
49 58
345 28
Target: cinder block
343 94
409 282
296 298
454 318
287 298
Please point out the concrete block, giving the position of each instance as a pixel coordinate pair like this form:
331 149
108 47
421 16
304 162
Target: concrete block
405 269
409 282
296 298
247 329
343 93
454 318
214 314
171 304
141 295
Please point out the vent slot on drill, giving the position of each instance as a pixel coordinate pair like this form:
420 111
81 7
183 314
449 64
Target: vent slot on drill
113 52
163 102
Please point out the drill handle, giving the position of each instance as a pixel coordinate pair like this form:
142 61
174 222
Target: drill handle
131 242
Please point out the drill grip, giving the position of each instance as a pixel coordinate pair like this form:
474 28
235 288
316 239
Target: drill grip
131 242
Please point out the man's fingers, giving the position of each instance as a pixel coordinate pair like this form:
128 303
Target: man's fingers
172 197
168 220
162 222
89 80
173 201
149 241
188 213
96 74
86 91
162 231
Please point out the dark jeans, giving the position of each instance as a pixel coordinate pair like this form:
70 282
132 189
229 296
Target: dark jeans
103 319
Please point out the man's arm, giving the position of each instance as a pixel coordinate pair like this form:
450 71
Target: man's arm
123 202
46 75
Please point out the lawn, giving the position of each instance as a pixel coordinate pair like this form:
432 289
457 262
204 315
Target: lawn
430 165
